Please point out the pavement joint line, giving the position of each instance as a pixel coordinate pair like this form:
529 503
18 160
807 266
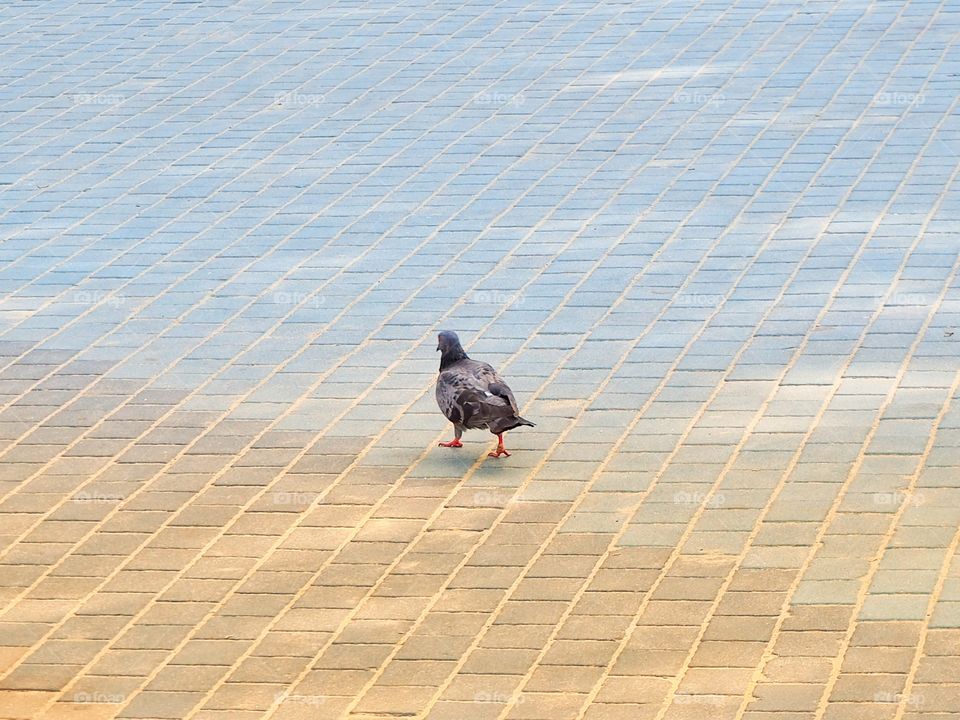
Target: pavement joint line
373 511
306 300
589 483
262 133
275 283
841 493
303 302
106 133
666 464
316 384
372 681
834 509
874 562
141 3
12 20
319 213
251 443
157 423
198 41
286 118
474 468
678 677
783 311
948 560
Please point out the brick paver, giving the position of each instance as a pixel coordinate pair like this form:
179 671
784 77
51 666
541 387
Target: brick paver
712 246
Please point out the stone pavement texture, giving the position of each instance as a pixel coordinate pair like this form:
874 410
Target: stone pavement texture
713 246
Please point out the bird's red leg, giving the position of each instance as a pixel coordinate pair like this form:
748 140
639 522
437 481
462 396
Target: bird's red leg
455 443
501 450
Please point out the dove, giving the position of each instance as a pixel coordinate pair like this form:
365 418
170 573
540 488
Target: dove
473 396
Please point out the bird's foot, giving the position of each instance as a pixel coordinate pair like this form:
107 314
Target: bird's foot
501 450
455 443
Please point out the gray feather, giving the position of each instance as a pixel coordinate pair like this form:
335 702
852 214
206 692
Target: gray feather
473 396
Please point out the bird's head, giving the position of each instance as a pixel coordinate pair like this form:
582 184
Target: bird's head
450 349
447 340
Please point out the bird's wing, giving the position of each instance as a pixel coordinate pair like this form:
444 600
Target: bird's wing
460 399
489 382
472 394
447 397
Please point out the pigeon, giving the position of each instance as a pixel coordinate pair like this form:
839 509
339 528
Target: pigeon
473 396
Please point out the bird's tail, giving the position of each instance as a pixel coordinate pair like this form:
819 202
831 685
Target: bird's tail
501 425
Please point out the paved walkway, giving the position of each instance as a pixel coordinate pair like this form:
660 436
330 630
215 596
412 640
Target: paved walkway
712 245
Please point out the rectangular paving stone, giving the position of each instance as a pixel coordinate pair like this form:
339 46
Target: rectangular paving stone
709 246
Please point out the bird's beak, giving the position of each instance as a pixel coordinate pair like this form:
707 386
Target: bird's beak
438 347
